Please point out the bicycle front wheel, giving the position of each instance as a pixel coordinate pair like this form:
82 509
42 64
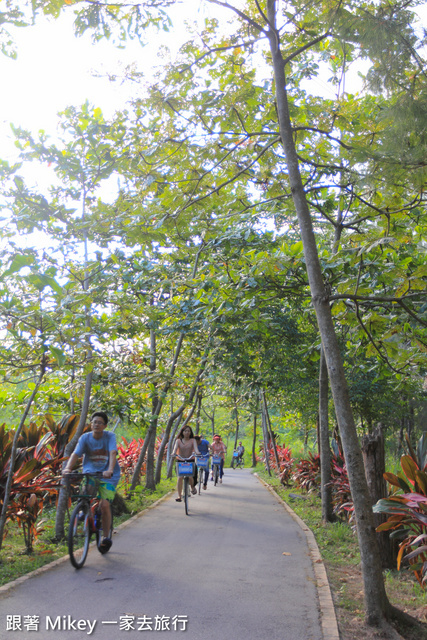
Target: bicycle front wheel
79 535
216 474
186 494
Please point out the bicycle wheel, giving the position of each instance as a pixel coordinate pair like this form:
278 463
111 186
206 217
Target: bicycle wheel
186 494
79 534
201 474
216 475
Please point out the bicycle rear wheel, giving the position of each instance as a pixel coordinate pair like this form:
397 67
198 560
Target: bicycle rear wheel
186 494
79 534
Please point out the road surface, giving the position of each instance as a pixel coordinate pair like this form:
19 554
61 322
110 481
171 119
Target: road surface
236 568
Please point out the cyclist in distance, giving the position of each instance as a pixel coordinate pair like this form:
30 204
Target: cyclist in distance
185 447
99 450
219 449
204 448
240 450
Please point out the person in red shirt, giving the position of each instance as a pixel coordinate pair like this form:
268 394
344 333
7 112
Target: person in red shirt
219 449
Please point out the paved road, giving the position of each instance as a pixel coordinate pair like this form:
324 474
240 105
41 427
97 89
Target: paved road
237 568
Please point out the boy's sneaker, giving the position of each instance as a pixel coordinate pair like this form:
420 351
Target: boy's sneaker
105 545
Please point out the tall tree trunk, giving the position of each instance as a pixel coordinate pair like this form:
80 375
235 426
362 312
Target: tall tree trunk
324 447
211 418
374 458
271 433
265 434
377 607
236 437
149 475
176 414
199 409
170 446
254 442
62 503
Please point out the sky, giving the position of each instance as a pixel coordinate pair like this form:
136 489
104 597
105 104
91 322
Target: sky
55 69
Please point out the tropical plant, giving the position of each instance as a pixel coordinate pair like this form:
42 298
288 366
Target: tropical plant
307 473
128 455
286 463
408 510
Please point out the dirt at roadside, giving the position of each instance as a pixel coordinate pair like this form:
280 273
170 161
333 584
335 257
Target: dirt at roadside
347 586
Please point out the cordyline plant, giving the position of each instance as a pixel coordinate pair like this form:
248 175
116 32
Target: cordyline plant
286 462
408 510
128 455
307 473
30 485
341 494
37 465
307 477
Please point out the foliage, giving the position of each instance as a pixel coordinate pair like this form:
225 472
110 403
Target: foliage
32 482
37 465
407 505
341 494
307 473
128 454
307 477
340 553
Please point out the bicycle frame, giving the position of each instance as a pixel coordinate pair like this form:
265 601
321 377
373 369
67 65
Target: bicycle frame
202 463
186 474
216 463
85 519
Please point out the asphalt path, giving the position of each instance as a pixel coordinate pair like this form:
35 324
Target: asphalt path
236 568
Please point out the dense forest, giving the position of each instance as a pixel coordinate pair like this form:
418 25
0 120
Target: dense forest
232 245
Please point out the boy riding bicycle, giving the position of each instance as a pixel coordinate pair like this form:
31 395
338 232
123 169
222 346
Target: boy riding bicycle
99 451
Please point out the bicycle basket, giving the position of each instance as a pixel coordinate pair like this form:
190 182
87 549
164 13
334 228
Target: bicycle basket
235 454
185 468
203 463
216 459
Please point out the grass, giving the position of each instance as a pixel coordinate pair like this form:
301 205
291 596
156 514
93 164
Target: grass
340 553
16 562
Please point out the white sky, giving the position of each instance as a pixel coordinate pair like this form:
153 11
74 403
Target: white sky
54 69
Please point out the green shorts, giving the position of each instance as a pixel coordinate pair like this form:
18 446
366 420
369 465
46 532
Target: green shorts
106 490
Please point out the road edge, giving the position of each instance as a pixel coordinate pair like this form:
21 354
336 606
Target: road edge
328 619
51 565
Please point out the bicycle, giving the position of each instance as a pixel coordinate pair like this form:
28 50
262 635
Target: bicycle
216 464
237 461
85 518
185 470
202 463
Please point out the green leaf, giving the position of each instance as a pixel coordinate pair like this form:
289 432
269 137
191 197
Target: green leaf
59 355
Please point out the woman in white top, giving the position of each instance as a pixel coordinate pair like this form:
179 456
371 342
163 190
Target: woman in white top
185 447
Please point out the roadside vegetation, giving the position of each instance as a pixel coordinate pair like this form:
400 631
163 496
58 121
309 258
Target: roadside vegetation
235 249
339 549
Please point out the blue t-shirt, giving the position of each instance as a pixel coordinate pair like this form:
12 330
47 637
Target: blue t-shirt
96 454
203 447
